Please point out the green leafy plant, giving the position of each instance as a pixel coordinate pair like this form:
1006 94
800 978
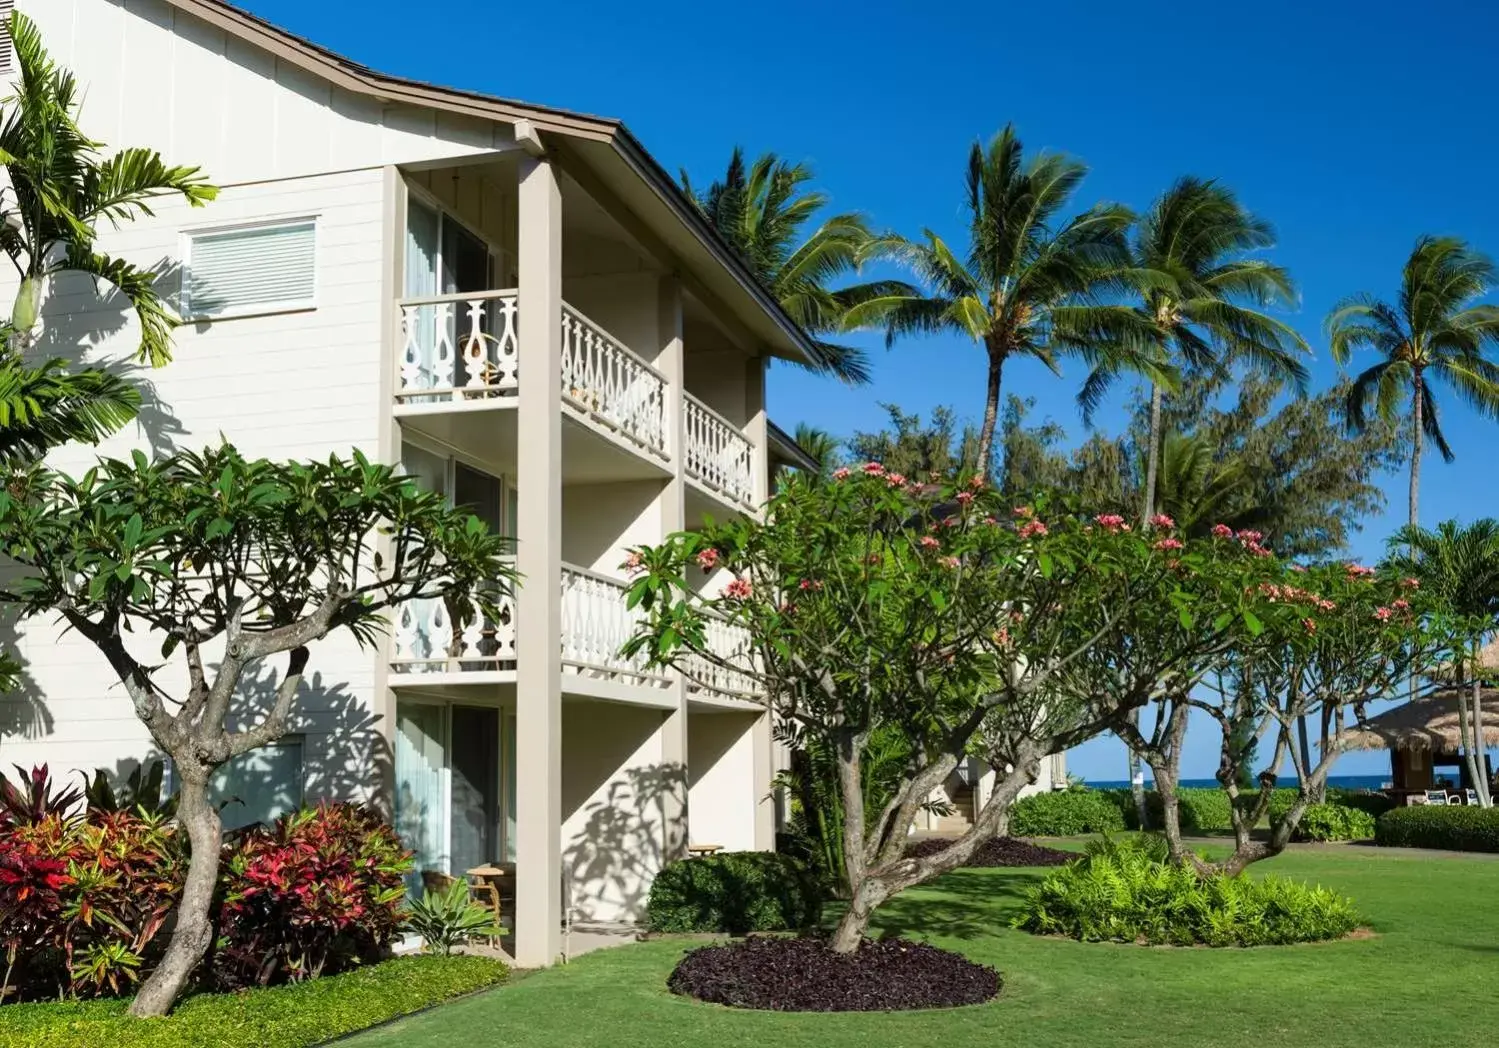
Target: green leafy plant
1127 891
1066 813
448 918
735 892
1329 821
140 792
1425 826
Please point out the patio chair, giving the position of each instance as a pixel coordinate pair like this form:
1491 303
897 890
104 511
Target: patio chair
1470 797
1437 797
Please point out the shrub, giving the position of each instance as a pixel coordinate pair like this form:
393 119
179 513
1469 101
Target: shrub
1376 804
448 918
1333 822
1124 893
313 894
1066 813
81 903
735 892
1454 829
805 975
296 1016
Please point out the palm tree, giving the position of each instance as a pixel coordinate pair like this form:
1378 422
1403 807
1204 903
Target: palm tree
61 190
1460 565
1200 295
761 211
1434 332
820 445
1030 282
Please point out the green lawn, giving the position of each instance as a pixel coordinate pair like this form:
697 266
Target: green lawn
1429 977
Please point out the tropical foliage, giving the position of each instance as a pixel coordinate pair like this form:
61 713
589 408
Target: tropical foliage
1434 333
1029 283
762 211
265 558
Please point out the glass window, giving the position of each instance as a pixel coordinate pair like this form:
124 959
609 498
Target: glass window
259 786
251 269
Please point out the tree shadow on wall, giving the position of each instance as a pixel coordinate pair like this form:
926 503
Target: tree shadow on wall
23 709
96 314
625 841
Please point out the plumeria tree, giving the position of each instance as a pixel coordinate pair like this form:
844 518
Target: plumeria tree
973 628
191 572
1331 639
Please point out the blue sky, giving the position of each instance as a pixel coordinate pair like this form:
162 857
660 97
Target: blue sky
1353 126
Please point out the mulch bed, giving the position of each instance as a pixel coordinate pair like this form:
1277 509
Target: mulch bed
805 975
1000 851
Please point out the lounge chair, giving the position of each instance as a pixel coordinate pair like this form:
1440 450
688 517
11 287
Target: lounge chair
1437 797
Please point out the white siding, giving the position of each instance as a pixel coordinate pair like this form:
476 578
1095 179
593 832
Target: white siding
154 76
295 385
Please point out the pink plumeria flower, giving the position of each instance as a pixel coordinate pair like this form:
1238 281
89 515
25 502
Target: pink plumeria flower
894 480
842 473
928 542
873 469
1401 603
1170 544
707 559
1111 522
964 497
632 563
1249 536
949 562
1359 571
1032 529
1383 614
1310 625
1411 584
1222 531
1024 512
1160 520
738 589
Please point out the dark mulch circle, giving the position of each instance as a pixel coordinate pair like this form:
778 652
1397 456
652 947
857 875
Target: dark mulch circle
1000 851
805 975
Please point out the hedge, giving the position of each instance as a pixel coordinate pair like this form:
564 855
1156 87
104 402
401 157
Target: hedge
735 892
1427 826
1066 814
294 1016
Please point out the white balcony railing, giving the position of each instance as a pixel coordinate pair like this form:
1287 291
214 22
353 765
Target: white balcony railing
606 382
595 624
718 454
425 638
732 643
458 347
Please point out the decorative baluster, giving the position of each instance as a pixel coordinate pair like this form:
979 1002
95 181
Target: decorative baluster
507 346
475 347
411 354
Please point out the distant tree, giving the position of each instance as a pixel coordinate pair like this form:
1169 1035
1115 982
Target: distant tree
203 567
1458 565
1029 283
762 210
1436 331
822 446
933 450
1199 298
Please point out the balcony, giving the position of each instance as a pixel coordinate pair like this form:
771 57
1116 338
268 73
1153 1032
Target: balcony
717 455
427 646
462 351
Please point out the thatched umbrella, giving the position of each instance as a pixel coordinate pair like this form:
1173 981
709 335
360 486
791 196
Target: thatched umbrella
1488 664
1429 723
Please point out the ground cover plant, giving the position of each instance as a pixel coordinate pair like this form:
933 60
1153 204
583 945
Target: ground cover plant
1000 851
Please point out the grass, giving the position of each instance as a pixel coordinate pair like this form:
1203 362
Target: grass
299 1016
1426 978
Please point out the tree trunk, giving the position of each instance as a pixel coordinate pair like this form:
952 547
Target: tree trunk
1303 743
1465 722
855 920
1481 779
1136 779
991 412
1152 457
1417 435
194 930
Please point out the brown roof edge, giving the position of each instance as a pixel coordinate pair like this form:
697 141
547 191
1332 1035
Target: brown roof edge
352 76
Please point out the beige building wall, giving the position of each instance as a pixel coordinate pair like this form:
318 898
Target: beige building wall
721 806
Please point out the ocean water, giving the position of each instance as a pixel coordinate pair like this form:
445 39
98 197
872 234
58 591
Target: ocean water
1346 782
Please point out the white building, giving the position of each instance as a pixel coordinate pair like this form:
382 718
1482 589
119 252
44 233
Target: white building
519 306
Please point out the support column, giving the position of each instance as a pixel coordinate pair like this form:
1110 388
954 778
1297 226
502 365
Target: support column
539 899
673 518
765 750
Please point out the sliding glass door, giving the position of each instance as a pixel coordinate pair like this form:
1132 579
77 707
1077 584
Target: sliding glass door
455 786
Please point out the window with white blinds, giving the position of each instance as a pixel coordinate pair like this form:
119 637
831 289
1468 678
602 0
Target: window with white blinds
7 47
250 269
